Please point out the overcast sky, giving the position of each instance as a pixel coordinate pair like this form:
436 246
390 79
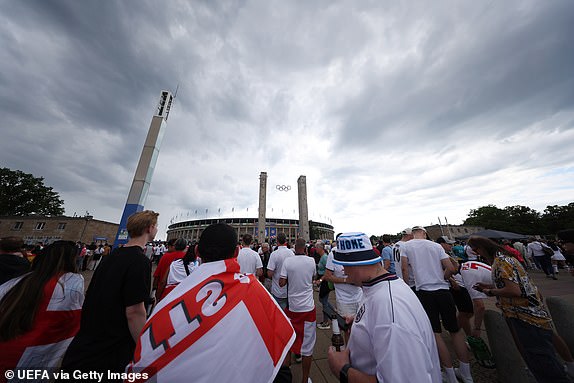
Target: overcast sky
397 114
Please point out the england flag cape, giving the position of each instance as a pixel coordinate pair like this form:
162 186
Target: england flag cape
55 325
217 325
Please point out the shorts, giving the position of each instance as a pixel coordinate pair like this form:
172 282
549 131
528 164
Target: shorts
347 309
439 305
462 300
304 325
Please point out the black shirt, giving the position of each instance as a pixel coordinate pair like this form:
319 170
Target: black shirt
104 341
12 266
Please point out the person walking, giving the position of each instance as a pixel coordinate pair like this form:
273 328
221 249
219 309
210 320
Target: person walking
432 269
114 311
391 338
347 294
248 259
523 308
535 249
12 263
324 288
276 260
297 274
40 310
217 325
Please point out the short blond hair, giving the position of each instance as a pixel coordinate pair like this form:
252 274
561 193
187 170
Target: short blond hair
140 221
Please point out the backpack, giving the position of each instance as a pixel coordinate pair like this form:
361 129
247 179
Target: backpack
547 251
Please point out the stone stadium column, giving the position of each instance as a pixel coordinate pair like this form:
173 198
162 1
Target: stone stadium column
262 207
303 210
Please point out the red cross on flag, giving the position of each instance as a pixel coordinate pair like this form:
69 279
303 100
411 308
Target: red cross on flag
55 325
217 325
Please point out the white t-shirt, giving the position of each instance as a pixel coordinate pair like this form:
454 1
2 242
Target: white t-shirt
470 254
344 292
249 261
473 272
67 295
398 268
275 264
299 271
177 271
148 251
392 337
425 258
535 249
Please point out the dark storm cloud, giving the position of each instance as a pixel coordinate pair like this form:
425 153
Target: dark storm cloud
88 65
498 73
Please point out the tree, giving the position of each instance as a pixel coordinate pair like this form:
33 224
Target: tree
523 220
488 216
556 218
23 194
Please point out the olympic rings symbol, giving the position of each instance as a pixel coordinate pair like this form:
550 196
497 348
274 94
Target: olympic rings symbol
283 187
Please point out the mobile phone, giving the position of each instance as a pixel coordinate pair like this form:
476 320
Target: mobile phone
477 288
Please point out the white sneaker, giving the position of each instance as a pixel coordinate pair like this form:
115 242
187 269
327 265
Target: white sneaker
309 380
464 379
324 326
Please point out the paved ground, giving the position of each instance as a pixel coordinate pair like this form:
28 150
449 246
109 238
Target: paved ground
320 372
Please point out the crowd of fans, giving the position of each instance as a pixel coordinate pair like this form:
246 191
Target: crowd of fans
234 297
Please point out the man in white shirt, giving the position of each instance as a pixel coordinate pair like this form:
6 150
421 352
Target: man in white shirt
276 260
406 235
391 339
432 268
297 274
348 295
249 261
535 249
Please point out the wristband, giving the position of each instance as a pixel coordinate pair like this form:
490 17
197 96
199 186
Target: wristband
344 373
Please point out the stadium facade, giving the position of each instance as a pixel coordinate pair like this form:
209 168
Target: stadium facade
191 230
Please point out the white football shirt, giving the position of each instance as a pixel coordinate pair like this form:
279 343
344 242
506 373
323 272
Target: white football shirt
249 261
344 292
425 258
299 271
473 272
275 264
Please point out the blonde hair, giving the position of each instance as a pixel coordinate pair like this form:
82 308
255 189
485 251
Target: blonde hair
140 221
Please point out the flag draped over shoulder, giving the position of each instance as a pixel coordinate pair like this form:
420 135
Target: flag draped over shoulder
55 325
217 325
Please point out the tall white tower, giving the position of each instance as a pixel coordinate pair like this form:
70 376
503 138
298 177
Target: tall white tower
146 165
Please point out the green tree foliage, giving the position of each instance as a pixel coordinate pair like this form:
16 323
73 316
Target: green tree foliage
488 216
522 219
23 194
556 217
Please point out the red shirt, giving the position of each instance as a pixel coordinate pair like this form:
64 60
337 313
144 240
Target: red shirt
165 262
514 252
